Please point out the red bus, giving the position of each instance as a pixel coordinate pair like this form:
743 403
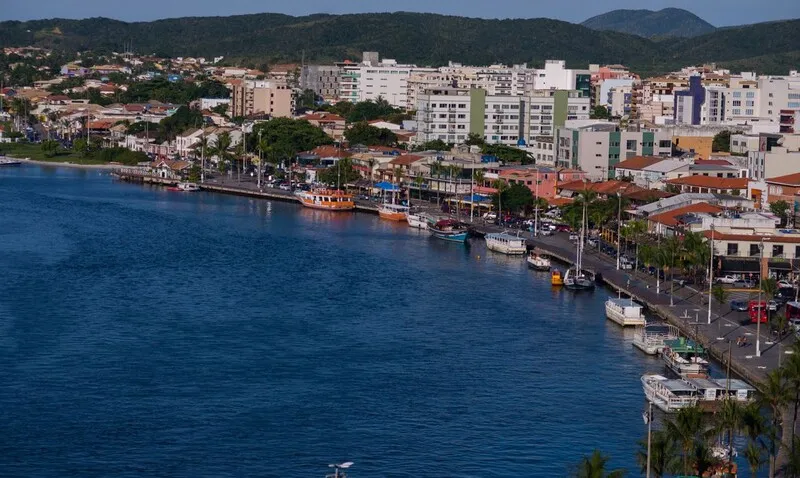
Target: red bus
757 309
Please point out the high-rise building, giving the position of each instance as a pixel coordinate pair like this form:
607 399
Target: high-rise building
262 97
322 80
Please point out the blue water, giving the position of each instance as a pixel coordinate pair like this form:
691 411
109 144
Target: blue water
152 333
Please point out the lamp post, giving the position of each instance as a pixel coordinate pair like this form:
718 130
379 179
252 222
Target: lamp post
619 225
536 205
648 418
710 272
760 290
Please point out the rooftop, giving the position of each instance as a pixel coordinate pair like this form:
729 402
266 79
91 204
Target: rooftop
710 182
787 180
638 162
672 218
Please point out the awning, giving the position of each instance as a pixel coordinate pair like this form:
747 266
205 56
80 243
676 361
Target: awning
780 265
387 186
740 266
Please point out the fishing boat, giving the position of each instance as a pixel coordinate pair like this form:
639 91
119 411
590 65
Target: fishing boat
685 357
185 187
669 395
417 220
506 243
9 162
555 278
327 199
650 338
539 263
393 212
625 312
449 230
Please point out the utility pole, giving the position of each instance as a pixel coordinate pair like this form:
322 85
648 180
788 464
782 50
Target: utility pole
203 160
649 420
260 159
619 225
536 205
710 272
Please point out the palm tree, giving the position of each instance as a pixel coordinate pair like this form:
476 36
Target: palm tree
594 466
669 252
728 420
371 162
687 428
720 294
703 458
755 457
633 231
775 395
479 177
221 146
791 372
501 187
769 286
646 254
419 180
663 455
265 149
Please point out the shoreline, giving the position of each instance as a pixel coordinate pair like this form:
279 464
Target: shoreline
67 165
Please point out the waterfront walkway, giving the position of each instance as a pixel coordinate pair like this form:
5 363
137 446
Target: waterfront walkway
689 309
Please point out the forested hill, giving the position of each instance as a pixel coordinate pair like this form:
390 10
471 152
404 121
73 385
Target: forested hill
669 22
424 39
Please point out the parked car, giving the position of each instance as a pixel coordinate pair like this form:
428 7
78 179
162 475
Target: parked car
727 279
785 284
744 284
593 242
490 216
562 228
739 305
545 232
573 236
284 187
772 305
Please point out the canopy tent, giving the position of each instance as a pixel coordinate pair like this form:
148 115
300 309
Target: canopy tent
387 186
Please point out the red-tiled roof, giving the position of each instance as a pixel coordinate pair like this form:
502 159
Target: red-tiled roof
612 186
328 151
753 237
558 202
405 160
787 180
322 117
710 182
639 162
670 218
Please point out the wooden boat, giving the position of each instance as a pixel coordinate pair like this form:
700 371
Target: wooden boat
685 357
650 338
625 312
539 263
327 199
506 243
449 230
393 212
555 278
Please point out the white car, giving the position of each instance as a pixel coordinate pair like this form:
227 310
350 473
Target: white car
726 280
490 216
573 236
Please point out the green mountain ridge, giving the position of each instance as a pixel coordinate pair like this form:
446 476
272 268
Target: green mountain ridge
669 22
423 39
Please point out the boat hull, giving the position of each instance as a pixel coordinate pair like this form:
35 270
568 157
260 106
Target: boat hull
327 207
621 319
392 216
540 265
450 236
505 249
416 222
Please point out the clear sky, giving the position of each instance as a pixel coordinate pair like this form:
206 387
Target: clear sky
716 12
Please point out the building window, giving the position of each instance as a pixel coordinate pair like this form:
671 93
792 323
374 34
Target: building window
733 249
754 250
797 252
777 251
737 94
630 144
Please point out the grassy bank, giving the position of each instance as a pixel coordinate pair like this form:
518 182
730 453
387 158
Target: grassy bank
34 152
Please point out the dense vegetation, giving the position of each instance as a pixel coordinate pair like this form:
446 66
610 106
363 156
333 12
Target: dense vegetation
669 22
324 38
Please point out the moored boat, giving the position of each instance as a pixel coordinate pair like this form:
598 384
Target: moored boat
185 187
685 357
650 338
9 162
539 263
393 212
669 395
578 279
417 220
555 278
506 243
625 312
449 230
327 199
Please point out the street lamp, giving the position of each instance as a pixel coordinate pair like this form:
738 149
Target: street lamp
710 272
760 290
619 225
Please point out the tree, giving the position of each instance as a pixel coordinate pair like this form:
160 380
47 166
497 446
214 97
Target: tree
49 148
479 177
770 287
81 146
773 394
720 294
220 109
288 136
600 112
508 154
307 99
474 139
339 174
501 187
220 150
594 466
364 133
791 372
369 110
194 173
517 197
781 209
419 181
663 455
728 420
634 231
722 141
686 429
755 457
434 145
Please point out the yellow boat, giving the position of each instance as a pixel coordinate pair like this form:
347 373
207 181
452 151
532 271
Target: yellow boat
556 278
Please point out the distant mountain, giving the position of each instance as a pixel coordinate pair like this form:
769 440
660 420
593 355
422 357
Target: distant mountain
669 22
423 39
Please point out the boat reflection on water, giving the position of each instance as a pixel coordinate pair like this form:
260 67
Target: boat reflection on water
321 216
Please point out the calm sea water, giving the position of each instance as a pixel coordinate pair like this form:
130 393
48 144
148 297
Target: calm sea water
151 333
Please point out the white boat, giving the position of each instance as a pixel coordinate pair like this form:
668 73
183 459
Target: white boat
185 187
9 162
625 312
685 357
669 395
650 338
576 277
393 212
538 262
418 220
506 243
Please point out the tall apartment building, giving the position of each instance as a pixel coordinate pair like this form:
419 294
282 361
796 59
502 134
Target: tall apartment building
597 146
450 114
778 93
257 97
322 80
